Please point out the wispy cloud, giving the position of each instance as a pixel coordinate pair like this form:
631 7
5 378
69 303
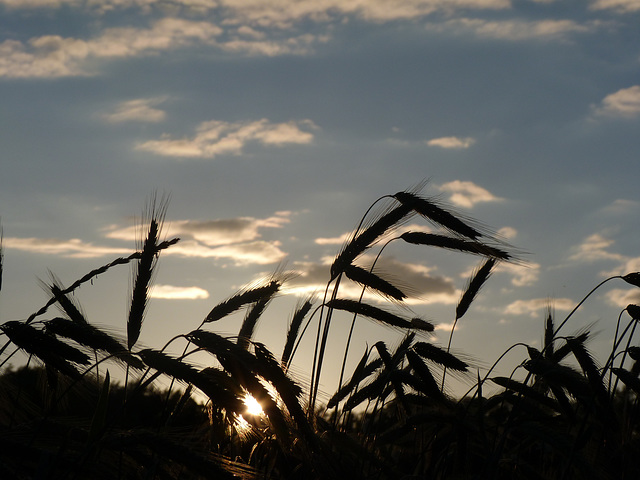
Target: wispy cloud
451 142
515 30
508 232
534 306
594 248
53 56
625 103
235 239
217 138
621 298
521 275
259 252
283 12
57 56
138 110
621 6
211 232
620 206
74 247
467 194
170 292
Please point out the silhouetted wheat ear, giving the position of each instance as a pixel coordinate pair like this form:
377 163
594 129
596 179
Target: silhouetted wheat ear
362 371
369 311
168 365
439 356
453 243
373 281
633 311
144 269
632 279
240 299
92 337
365 239
251 319
421 324
68 306
294 327
51 351
431 211
428 386
476 282
548 335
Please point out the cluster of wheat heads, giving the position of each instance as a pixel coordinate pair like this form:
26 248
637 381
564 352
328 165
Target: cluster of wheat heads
391 416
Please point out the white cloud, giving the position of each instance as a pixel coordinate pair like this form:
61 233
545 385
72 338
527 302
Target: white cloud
467 194
171 292
342 239
56 56
534 306
217 138
515 30
621 298
621 6
282 12
74 247
259 252
138 110
451 142
594 248
624 103
522 275
620 207
508 232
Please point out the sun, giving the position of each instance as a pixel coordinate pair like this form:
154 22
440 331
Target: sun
253 406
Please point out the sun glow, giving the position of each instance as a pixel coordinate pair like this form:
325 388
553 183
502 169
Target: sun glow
253 406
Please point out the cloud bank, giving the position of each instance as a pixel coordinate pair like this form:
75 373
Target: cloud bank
217 137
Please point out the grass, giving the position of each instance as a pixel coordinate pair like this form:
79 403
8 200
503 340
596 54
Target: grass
560 415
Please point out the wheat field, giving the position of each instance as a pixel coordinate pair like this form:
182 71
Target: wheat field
562 413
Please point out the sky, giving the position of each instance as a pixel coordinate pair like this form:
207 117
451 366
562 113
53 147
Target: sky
274 125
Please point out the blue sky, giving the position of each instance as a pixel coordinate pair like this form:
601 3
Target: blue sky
273 125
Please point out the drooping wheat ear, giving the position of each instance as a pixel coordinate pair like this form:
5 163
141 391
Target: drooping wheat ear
430 210
453 243
92 337
428 385
294 328
53 352
370 280
592 372
241 299
476 282
250 321
439 356
362 371
289 391
370 311
168 365
155 212
72 310
362 241
391 366
632 279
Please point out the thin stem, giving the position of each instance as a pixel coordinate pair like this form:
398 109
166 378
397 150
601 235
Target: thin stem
555 332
